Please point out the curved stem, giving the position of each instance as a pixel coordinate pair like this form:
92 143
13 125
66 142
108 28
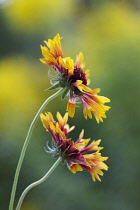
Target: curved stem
25 146
37 183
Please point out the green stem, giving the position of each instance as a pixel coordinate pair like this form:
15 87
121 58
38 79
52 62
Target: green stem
37 183
25 147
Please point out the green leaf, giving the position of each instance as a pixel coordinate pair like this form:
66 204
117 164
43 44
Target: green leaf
65 93
52 87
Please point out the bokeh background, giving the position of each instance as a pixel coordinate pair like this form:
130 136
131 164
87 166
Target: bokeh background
108 33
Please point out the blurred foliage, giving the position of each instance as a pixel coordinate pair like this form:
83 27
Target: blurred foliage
108 33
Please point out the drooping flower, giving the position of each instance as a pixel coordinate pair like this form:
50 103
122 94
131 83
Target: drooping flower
72 77
74 153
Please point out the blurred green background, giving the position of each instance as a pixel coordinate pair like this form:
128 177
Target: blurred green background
108 34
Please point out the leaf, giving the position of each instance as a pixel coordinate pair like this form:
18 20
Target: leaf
53 87
65 93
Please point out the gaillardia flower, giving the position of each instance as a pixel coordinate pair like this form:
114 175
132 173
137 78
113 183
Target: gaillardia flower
74 153
71 76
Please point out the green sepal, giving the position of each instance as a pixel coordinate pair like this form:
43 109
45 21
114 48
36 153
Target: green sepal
65 93
53 87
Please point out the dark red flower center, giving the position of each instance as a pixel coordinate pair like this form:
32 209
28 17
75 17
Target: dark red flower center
67 151
79 74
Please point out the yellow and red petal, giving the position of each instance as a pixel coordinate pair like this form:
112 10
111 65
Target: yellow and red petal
81 143
48 57
87 111
79 61
71 109
95 165
94 104
79 84
74 167
68 64
87 73
99 114
92 147
103 99
62 120
95 91
81 135
55 46
71 106
46 119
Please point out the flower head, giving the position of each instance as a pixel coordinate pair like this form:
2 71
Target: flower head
72 77
74 153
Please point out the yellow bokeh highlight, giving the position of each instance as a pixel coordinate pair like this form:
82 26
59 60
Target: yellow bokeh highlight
107 28
15 83
112 22
29 15
18 95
